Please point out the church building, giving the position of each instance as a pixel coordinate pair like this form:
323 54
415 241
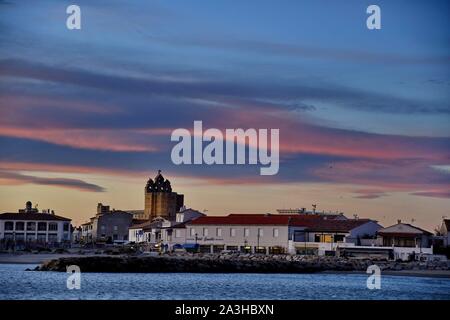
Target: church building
160 200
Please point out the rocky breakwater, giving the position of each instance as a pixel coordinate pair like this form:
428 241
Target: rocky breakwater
225 263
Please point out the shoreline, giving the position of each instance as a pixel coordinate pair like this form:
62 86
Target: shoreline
40 259
403 273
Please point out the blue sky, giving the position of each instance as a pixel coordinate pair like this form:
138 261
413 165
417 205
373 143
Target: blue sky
374 104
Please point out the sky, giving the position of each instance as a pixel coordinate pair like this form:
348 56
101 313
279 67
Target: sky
86 115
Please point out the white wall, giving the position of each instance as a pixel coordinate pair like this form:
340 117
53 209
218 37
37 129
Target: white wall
61 235
267 239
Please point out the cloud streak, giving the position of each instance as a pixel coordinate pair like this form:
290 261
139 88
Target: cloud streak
10 178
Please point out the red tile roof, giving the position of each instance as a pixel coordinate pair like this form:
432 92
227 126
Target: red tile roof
31 216
256 219
331 225
310 222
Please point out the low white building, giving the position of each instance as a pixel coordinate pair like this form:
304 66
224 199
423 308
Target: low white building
163 232
275 233
405 235
30 226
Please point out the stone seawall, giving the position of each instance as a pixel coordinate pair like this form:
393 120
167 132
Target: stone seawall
227 264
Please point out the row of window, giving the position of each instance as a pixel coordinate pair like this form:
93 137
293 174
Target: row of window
87 227
232 232
31 226
41 237
103 228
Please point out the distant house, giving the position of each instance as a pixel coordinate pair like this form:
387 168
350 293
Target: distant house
445 232
107 225
76 234
148 231
405 235
31 226
162 231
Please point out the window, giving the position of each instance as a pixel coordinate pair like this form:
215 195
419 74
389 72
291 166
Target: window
192 232
30 237
275 232
20 237
41 237
52 237
42 226
31 226
177 233
323 238
232 232
246 232
66 227
205 232
260 232
219 232
9 225
116 228
20 226
52 226
9 236
103 228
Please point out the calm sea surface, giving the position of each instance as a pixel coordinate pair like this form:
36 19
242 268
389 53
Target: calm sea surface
15 283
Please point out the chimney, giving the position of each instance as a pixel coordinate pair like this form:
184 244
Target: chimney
28 206
399 221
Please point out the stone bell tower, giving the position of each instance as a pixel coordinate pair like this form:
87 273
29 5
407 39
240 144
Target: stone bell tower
160 201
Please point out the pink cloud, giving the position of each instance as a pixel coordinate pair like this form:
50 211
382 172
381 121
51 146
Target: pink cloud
95 139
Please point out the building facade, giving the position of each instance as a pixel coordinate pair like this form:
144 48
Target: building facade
275 233
405 235
107 226
160 200
31 226
162 231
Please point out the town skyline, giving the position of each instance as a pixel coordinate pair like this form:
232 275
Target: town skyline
86 115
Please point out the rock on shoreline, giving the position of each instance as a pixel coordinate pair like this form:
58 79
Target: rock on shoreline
169 264
225 264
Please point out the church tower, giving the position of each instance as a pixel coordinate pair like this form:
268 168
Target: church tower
160 201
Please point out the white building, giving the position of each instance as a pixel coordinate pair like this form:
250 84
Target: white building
279 233
30 226
161 231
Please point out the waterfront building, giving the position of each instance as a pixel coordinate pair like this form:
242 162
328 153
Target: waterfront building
160 200
405 235
407 241
148 232
107 226
31 226
275 233
162 231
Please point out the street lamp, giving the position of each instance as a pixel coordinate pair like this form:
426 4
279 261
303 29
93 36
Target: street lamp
257 237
